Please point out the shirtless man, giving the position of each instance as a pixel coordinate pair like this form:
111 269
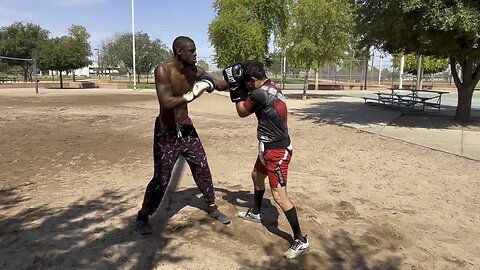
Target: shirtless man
179 82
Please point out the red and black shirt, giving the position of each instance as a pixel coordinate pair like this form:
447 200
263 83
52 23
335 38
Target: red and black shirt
270 108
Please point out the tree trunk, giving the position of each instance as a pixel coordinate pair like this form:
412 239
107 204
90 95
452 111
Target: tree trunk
305 85
25 73
464 105
61 80
465 85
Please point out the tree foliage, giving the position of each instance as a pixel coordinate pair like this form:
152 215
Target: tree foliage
20 40
202 63
65 53
439 28
148 53
430 65
319 32
242 29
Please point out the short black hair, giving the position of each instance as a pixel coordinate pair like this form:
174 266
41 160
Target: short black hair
180 43
253 68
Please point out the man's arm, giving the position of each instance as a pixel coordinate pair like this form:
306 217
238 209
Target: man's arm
164 89
220 84
241 110
253 102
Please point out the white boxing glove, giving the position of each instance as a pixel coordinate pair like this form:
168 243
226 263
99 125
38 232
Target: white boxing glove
198 89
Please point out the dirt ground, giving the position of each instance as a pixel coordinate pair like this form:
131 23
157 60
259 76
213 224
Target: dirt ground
74 165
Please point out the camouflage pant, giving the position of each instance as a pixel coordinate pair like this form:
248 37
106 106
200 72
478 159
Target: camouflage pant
167 147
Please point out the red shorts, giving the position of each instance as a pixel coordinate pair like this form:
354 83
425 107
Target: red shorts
275 167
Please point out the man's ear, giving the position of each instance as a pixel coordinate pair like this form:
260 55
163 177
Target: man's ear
179 51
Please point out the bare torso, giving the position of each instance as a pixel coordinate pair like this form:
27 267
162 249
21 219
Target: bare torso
171 83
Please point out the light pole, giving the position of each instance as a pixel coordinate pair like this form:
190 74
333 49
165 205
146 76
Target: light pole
98 62
133 45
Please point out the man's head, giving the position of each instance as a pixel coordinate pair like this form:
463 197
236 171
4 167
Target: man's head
184 50
253 75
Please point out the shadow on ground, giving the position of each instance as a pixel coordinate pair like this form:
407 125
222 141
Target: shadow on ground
98 233
313 95
360 114
337 252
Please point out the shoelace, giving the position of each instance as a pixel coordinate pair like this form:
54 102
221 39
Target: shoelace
296 244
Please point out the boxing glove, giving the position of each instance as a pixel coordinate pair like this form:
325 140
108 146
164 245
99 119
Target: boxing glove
198 88
233 75
208 79
238 94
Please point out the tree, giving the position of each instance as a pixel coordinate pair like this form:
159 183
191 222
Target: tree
318 33
431 65
148 53
65 53
20 40
202 63
242 29
80 50
439 28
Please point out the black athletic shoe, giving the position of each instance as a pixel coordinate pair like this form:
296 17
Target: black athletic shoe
213 212
142 226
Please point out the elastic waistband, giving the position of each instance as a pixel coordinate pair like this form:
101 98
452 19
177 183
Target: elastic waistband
283 144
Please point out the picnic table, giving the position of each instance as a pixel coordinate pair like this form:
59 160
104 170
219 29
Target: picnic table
409 98
7 79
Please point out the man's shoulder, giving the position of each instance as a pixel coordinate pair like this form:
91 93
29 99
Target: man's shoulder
165 66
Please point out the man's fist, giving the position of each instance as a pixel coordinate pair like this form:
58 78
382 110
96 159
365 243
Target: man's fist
198 89
209 79
234 75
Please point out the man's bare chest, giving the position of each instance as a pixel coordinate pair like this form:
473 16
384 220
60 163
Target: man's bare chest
182 84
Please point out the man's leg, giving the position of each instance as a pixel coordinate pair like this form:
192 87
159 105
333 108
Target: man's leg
258 179
165 155
259 174
300 244
281 198
277 162
195 155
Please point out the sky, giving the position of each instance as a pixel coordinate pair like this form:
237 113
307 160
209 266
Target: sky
162 19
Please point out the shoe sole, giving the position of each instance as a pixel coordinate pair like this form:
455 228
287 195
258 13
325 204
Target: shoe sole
303 252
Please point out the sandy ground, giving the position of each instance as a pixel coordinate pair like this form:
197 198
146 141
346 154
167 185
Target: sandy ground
74 165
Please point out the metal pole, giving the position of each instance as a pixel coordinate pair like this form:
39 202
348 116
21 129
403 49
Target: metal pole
35 75
373 59
402 65
133 46
418 84
367 54
380 71
98 63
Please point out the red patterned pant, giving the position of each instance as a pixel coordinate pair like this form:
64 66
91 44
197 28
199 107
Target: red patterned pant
166 150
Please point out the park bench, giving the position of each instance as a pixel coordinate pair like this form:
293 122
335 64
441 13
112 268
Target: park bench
7 79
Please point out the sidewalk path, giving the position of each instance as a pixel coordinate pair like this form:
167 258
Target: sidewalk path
432 129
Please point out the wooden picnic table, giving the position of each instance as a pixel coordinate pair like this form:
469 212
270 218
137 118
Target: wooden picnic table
409 98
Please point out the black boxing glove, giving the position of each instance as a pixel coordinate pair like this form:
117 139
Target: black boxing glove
234 75
238 94
209 80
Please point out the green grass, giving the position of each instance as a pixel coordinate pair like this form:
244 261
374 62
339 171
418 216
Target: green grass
289 81
142 86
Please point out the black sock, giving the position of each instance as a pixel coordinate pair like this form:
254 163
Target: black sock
258 197
293 220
